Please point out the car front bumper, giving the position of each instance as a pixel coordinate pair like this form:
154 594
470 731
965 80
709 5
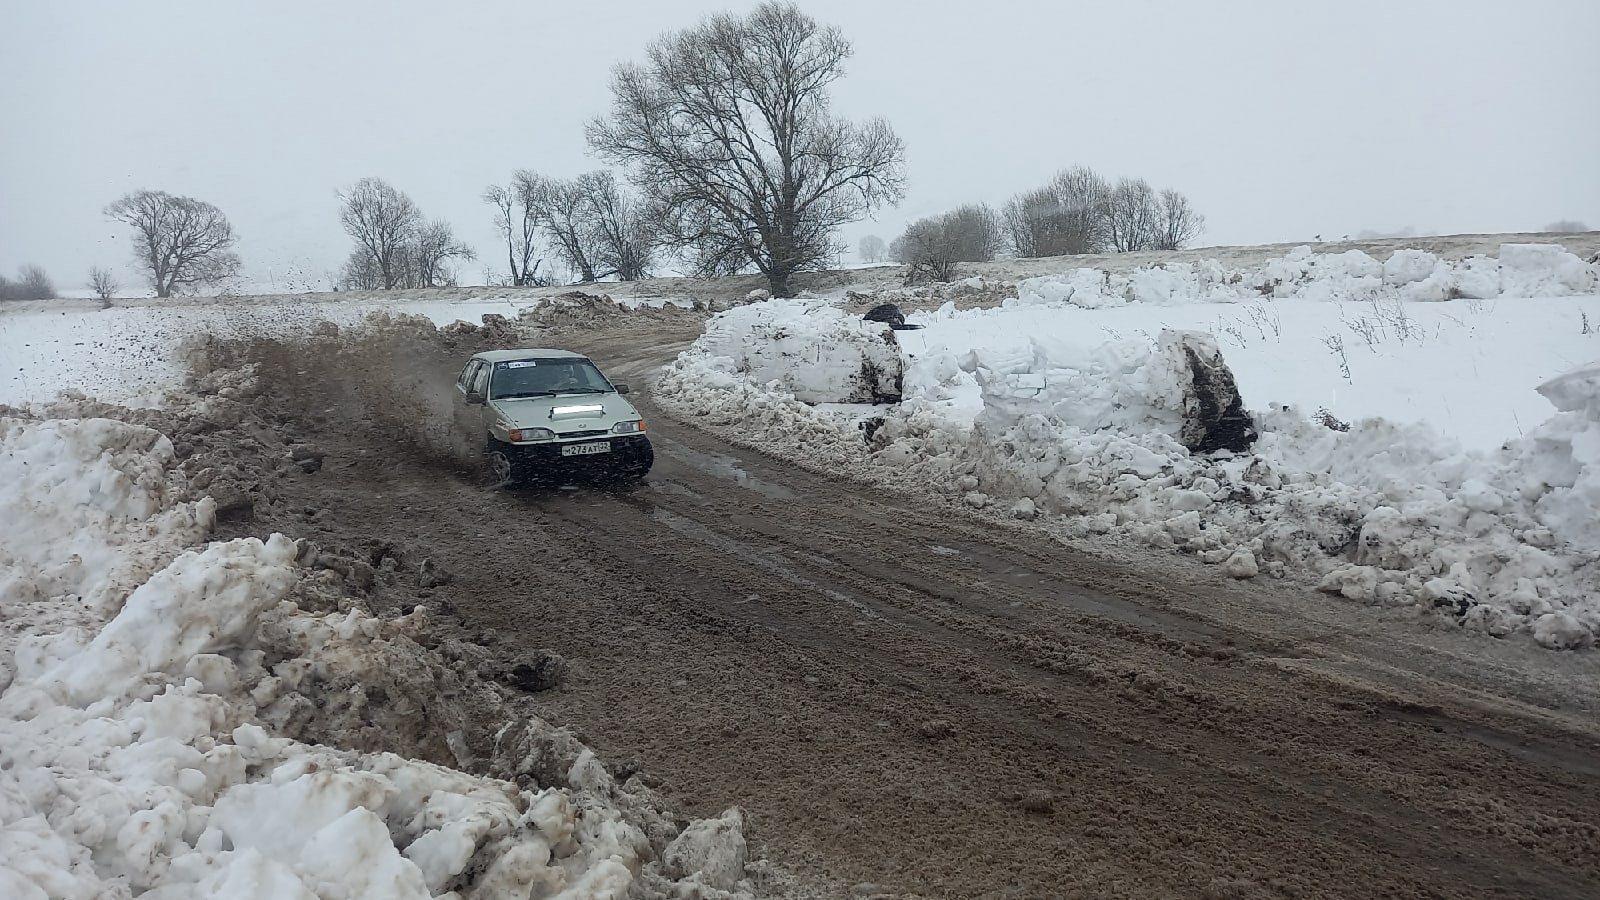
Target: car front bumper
629 451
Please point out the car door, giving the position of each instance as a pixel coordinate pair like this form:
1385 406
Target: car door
468 418
478 384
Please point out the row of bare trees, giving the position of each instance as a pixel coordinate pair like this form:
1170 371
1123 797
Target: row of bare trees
725 131
1078 212
737 162
931 247
396 247
596 228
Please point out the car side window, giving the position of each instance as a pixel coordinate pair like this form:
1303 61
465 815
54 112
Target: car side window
480 381
465 378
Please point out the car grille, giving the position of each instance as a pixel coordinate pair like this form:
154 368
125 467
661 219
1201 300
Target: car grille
579 434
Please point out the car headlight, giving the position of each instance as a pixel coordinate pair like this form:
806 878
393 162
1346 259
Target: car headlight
627 427
531 434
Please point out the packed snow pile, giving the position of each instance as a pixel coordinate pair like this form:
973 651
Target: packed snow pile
807 349
152 695
1521 270
1179 386
1033 412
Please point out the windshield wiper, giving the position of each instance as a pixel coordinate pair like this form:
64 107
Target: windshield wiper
522 395
584 390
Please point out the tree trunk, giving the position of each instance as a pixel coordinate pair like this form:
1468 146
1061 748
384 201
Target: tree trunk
778 282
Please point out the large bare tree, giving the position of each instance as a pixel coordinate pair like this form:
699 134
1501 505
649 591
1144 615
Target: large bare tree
382 220
181 242
727 131
517 218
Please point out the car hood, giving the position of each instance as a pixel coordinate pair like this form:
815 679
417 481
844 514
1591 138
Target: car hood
565 414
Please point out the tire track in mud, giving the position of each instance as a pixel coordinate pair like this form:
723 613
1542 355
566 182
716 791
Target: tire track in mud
1174 704
901 696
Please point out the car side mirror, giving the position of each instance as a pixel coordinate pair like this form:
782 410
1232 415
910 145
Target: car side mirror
621 388
475 398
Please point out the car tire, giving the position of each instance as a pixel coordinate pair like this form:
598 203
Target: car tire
638 463
502 468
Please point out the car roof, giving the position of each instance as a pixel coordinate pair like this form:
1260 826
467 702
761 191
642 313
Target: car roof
494 356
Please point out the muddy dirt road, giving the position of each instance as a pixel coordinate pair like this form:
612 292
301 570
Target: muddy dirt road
912 704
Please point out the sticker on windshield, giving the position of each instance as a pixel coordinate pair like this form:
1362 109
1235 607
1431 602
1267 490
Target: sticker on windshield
519 364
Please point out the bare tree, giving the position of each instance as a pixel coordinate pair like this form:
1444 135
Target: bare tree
1133 216
518 221
727 130
33 283
872 249
623 230
1031 222
103 282
1178 223
360 271
381 220
1566 226
931 248
430 254
564 207
183 242
1065 217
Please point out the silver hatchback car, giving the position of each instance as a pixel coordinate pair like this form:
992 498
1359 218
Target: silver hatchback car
551 415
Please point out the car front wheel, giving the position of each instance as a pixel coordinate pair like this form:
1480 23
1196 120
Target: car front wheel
505 470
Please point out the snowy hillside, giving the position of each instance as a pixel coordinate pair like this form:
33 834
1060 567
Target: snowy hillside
1420 442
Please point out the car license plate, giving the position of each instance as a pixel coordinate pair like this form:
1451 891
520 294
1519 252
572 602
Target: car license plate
586 449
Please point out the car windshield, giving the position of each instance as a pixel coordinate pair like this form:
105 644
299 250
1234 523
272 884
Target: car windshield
545 378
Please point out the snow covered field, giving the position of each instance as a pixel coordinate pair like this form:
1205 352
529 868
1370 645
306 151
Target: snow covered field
131 355
1422 441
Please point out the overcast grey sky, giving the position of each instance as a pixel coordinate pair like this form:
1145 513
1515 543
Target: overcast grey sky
1280 120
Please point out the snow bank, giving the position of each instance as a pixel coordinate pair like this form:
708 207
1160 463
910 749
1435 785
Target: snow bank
143 687
1521 270
805 348
1005 413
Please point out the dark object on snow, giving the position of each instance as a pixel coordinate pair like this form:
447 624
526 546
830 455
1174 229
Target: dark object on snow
870 427
542 673
1328 420
890 315
1216 418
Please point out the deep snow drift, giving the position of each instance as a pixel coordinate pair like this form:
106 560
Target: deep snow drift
146 683
1043 406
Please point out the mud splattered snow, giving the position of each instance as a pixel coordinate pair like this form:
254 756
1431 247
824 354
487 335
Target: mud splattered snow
171 711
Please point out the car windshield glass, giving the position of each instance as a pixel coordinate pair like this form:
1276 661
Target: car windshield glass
545 378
